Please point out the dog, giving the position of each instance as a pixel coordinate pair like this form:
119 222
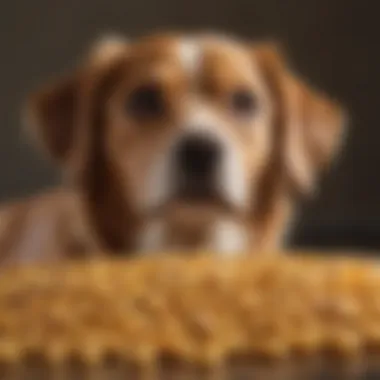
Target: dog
173 142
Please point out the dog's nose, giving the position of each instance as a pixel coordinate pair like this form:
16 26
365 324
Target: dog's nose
198 155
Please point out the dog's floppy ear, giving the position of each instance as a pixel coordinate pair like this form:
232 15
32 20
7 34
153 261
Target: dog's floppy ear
52 112
311 125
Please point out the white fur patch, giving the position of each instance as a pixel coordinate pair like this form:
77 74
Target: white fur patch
190 54
152 237
232 181
200 118
107 48
159 184
229 238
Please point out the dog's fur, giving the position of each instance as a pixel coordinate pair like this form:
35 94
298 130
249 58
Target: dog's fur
116 169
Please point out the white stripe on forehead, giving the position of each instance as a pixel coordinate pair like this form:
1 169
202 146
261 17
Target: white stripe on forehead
190 54
192 50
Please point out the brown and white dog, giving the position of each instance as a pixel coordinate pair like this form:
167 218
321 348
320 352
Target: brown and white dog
173 142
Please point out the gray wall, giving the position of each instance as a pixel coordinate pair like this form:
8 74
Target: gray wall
332 42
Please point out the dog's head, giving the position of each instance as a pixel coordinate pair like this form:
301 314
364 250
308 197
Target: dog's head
205 124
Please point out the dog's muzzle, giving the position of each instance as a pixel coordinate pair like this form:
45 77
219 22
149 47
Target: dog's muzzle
199 166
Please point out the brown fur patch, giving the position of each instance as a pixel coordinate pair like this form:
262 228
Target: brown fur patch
105 154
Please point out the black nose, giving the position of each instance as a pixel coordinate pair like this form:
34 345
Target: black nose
198 156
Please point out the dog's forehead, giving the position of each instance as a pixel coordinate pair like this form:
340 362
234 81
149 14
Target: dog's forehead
193 54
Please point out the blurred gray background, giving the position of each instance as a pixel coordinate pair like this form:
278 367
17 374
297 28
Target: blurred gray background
334 43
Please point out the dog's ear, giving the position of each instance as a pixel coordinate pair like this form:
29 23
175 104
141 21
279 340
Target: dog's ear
52 112
310 124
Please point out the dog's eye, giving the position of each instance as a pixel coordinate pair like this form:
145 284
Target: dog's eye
244 102
146 101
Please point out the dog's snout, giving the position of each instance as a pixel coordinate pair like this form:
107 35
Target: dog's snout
198 155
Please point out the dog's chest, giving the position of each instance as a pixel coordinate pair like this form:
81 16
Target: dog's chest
186 231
